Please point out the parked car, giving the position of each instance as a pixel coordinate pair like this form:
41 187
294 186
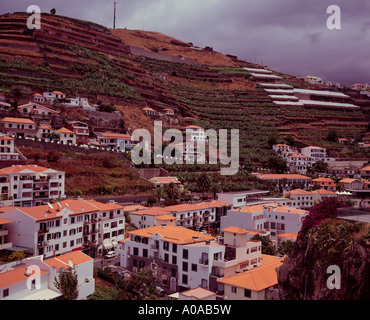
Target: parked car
110 254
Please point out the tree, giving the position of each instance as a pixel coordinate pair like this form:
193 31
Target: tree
321 211
53 11
278 164
17 255
267 246
286 247
203 183
332 135
215 188
290 140
67 284
159 193
172 191
319 166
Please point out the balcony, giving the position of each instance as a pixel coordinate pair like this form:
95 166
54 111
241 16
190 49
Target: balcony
42 244
3 232
154 248
42 231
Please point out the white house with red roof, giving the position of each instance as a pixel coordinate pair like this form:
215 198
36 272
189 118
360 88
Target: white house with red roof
118 141
66 136
20 127
33 278
195 133
28 185
273 217
65 226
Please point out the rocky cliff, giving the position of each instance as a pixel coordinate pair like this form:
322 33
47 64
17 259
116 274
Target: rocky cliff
304 275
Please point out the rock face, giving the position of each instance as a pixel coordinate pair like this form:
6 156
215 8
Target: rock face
304 275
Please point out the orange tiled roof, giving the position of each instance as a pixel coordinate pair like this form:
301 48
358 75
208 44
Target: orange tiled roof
115 135
17 120
9 278
153 211
322 179
40 213
5 221
367 168
6 138
105 206
76 257
288 176
134 208
198 293
275 207
58 92
165 217
322 191
165 179
174 234
197 206
21 168
299 191
288 235
348 180
258 278
64 130
193 127
235 230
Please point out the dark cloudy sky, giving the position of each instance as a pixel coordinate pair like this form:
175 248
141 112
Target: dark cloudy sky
288 35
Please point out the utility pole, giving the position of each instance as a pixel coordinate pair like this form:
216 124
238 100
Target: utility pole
114 17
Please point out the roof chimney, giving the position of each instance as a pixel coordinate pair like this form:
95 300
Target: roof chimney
195 238
27 272
163 225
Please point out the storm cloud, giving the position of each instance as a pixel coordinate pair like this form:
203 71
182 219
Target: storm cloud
289 36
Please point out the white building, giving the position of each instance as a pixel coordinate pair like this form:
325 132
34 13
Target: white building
314 80
241 198
8 152
33 278
195 133
66 136
298 163
117 141
27 185
65 226
273 217
184 259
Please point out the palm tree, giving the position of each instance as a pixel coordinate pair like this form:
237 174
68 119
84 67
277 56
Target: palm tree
204 183
159 193
172 191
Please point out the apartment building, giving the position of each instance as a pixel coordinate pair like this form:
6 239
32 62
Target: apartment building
195 133
273 217
29 185
4 242
252 284
20 127
65 226
285 180
9 154
66 136
241 198
117 141
33 278
81 131
184 259
196 216
298 162
365 173
324 183
316 154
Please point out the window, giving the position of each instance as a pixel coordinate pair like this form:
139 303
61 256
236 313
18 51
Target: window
174 247
166 246
136 251
185 279
174 260
194 267
5 293
185 254
145 253
234 289
166 257
185 266
247 293
72 243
